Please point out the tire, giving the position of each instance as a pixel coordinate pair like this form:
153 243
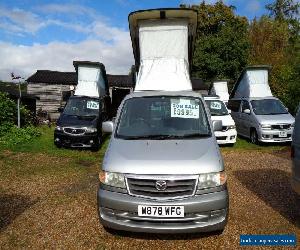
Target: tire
254 137
97 145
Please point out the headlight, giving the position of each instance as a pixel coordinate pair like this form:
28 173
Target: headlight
112 179
59 128
231 127
91 130
265 126
210 180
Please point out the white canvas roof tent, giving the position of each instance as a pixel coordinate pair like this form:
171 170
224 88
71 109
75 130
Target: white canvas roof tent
92 79
220 88
162 42
253 82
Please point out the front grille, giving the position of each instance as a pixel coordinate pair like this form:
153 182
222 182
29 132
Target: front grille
221 138
174 188
74 131
281 126
277 136
224 128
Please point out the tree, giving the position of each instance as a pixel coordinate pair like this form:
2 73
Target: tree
287 77
269 41
283 10
222 46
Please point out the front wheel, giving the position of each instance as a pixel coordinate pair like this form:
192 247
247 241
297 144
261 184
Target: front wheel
97 145
254 137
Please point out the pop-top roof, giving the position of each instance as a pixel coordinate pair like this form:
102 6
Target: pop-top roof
252 82
159 14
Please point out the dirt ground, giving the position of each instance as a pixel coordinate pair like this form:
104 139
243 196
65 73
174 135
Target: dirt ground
50 202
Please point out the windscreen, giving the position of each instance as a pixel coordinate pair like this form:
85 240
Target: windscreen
82 107
216 107
268 107
163 117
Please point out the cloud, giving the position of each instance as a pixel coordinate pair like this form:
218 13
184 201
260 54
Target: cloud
18 20
68 9
100 41
25 60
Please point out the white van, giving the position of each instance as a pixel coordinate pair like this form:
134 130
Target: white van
219 111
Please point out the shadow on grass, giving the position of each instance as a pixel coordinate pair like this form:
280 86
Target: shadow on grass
274 188
11 206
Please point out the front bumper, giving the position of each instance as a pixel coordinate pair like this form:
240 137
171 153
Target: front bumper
203 213
226 137
273 136
75 141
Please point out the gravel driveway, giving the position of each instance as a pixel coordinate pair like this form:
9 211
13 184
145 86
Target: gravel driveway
57 209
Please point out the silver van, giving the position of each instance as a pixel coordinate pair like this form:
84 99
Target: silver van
262 119
295 154
163 171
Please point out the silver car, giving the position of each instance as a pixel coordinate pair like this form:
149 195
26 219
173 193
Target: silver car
295 153
262 119
163 171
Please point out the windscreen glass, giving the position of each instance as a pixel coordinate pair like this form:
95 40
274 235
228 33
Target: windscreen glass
216 107
268 107
163 117
82 107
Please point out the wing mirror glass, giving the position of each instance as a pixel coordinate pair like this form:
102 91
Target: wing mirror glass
107 127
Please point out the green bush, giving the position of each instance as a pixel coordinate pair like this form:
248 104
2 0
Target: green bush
8 112
12 135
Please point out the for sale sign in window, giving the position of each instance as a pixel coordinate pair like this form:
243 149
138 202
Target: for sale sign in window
184 108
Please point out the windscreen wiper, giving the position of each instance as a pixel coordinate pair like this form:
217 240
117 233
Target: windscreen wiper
195 135
165 137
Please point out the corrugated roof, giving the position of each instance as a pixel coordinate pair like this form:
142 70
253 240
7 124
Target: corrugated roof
53 77
70 78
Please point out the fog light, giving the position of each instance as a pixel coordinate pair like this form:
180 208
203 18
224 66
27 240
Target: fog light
57 139
266 136
232 137
91 141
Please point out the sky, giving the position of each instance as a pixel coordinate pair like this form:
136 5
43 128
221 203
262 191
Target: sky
50 35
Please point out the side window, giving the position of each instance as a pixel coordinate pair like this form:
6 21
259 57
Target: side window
234 105
245 105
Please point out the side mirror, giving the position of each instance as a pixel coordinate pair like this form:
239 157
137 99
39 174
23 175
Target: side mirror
113 120
107 127
60 110
229 111
217 125
247 111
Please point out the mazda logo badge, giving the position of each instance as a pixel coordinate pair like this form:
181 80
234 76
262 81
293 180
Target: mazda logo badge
73 131
161 185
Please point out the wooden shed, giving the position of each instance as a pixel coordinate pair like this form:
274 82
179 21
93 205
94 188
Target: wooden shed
53 89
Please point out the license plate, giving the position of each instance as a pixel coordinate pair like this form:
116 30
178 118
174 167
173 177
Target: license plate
161 211
282 134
